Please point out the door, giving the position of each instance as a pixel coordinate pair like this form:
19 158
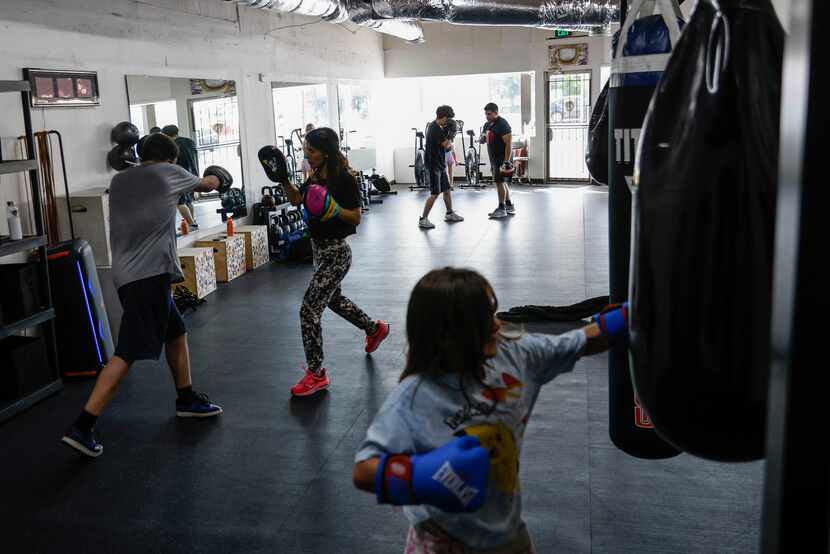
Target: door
216 134
569 111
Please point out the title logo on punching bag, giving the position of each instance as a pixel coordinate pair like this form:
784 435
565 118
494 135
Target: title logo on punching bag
641 418
626 142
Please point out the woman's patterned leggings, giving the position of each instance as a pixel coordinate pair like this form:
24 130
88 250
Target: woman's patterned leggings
332 260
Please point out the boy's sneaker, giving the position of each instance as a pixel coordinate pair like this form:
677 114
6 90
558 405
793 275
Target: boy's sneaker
373 341
84 443
453 218
310 384
498 214
510 209
425 223
200 406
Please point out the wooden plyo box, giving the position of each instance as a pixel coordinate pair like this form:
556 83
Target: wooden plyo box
199 271
228 255
256 245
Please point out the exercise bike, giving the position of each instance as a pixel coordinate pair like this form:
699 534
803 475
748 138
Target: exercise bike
420 165
472 161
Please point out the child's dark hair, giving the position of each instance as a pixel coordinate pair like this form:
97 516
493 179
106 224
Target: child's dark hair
449 321
326 141
491 107
158 147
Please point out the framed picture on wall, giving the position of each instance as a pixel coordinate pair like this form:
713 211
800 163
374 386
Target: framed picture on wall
56 88
568 54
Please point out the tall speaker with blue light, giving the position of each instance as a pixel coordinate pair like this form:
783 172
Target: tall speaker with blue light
82 328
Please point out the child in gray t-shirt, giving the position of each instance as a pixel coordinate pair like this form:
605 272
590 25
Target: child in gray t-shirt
144 264
446 443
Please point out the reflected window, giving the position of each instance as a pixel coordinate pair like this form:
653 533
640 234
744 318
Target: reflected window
353 102
216 134
295 106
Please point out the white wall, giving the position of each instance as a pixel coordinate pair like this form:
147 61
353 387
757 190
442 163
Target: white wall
469 50
167 38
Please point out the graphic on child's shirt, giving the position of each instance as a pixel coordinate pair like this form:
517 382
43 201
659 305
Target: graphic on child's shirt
504 456
512 389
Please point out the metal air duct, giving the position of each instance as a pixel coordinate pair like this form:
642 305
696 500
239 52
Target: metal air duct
573 15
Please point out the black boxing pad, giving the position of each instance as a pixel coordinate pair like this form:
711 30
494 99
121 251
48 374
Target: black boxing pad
704 216
224 176
122 157
641 51
274 163
125 133
596 155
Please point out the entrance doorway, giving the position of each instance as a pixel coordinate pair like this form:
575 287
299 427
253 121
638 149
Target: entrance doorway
569 111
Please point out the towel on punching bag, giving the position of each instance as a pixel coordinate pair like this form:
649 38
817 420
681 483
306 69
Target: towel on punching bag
704 213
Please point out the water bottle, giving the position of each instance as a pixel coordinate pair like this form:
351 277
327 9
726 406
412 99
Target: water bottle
13 218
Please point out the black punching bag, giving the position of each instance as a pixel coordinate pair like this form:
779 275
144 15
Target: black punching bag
705 191
641 51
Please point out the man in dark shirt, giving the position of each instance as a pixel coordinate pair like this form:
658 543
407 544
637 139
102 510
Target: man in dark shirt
189 160
435 157
499 138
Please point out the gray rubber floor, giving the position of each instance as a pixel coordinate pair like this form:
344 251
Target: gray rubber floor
274 474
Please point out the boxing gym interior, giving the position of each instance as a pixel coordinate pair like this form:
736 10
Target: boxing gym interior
636 176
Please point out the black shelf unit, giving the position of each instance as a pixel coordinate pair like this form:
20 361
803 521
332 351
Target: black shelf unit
46 316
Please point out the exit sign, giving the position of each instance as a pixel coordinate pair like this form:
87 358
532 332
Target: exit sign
562 34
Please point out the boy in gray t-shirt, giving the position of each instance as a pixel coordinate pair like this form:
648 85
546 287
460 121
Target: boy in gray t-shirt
143 202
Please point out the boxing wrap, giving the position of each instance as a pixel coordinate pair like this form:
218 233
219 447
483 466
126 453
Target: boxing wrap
320 203
452 478
225 178
507 169
613 321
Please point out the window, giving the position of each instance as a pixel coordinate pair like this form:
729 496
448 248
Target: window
156 114
216 134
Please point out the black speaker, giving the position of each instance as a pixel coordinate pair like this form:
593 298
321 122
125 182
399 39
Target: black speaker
82 329
19 291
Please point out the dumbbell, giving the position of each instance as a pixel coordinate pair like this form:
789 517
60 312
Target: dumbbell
284 224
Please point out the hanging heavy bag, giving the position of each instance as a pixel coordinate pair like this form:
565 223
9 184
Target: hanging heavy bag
596 155
703 233
641 51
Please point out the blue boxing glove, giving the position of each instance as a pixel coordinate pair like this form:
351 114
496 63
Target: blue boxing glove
452 478
613 321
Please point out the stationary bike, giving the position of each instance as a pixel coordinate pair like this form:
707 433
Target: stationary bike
472 161
420 165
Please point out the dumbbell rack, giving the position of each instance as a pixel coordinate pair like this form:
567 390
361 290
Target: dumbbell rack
44 319
283 231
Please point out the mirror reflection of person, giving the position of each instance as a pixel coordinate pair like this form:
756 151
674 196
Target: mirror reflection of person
189 160
306 166
154 130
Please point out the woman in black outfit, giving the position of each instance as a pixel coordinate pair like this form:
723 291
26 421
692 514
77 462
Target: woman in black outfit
332 257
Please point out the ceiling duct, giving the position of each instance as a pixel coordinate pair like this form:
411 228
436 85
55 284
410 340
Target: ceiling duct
569 15
340 11
401 18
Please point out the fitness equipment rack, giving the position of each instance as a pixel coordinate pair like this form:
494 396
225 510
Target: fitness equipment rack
45 317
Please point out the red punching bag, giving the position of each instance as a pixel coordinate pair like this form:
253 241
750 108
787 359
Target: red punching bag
704 212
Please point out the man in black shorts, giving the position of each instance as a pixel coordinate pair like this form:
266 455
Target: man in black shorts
436 161
499 138
144 264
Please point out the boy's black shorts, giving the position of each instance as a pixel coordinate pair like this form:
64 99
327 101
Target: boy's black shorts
150 319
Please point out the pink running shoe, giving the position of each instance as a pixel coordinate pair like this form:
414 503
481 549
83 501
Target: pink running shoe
373 341
310 384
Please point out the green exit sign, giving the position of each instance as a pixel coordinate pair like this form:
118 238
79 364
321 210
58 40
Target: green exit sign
562 34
